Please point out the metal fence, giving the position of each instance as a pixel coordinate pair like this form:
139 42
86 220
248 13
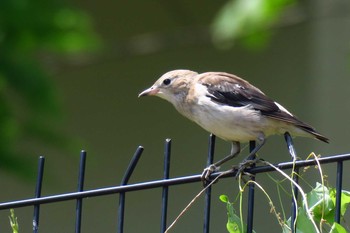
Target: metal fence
166 182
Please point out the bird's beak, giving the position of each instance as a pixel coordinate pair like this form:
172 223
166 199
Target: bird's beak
150 91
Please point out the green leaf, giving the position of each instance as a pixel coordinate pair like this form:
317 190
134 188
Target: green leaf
304 225
337 228
224 198
319 201
246 18
345 200
233 224
233 227
286 228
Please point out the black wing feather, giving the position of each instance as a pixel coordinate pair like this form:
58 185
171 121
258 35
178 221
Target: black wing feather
236 92
238 95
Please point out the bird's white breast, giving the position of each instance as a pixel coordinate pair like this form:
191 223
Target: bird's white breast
227 122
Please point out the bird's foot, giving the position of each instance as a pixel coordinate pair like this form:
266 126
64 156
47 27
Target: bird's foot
207 172
247 163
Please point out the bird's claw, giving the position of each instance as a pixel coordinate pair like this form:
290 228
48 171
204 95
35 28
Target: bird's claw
240 169
207 173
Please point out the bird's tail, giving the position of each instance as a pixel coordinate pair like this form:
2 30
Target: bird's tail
313 132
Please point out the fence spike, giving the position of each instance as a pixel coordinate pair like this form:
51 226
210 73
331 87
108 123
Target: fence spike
251 193
339 188
160 183
125 180
295 172
38 187
210 160
122 189
79 204
165 191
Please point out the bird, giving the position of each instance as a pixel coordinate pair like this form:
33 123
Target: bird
230 108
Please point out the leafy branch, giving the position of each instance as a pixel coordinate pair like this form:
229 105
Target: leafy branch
315 214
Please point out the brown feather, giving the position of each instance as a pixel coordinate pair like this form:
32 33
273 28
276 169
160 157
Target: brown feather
228 89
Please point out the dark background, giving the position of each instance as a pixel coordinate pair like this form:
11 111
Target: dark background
303 63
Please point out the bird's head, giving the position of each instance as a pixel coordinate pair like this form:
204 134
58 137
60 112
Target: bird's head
172 86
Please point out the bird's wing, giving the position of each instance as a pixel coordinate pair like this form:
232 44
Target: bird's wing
228 89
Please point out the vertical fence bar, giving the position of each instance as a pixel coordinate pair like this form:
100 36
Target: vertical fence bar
251 193
339 188
295 172
294 201
165 191
38 187
210 159
79 204
125 180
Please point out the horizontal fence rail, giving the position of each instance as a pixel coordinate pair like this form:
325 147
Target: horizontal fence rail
166 182
161 183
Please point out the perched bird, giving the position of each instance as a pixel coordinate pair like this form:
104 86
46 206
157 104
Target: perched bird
229 107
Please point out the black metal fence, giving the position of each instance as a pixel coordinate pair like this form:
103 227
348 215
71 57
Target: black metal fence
166 182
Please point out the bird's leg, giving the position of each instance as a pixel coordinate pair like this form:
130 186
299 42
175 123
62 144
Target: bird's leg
251 158
235 149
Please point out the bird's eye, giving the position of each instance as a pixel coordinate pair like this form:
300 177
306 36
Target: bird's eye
166 81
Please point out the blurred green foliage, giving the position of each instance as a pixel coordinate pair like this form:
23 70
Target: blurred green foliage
31 31
29 105
249 20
